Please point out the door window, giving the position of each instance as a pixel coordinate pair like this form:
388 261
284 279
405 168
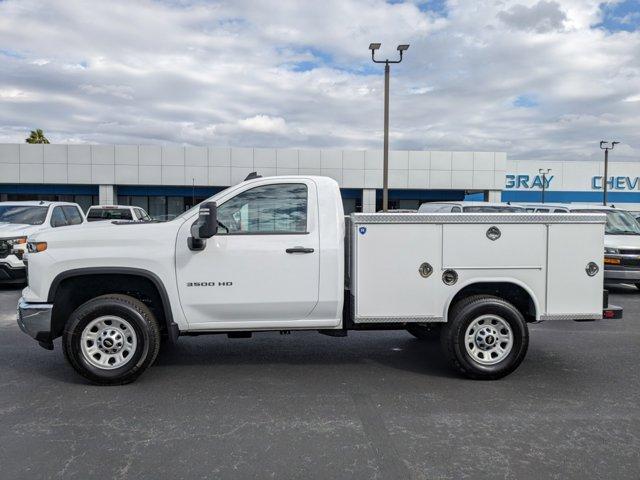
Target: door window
142 215
271 209
73 215
57 218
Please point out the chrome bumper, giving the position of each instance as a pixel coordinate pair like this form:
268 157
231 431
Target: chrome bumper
34 319
621 275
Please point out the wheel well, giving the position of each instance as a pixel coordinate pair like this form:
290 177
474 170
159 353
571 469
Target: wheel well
72 292
510 292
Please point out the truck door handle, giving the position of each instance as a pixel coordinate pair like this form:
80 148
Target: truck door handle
299 250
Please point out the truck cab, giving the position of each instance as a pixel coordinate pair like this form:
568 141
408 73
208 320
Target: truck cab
123 213
18 220
275 254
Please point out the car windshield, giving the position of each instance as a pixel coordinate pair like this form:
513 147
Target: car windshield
108 214
31 215
618 222
491 209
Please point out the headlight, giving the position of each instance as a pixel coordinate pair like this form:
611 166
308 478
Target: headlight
14 242
611 250
15 245
34 247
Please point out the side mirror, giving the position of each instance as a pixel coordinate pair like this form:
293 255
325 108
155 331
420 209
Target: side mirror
205 227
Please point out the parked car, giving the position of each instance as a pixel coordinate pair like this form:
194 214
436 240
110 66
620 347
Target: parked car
99 213
399 210
18 220
621 244
635 214
546 207
269 254
468 207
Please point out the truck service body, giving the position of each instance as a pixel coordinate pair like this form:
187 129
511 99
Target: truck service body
276 253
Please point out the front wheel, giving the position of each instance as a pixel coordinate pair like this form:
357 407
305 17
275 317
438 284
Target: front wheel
111 339
485 338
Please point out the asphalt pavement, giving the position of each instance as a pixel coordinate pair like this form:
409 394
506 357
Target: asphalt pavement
371 405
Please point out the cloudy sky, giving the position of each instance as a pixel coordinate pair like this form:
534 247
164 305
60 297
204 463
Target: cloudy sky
539 79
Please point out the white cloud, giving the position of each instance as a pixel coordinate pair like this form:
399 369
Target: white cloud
541 17
264 124
296 74
121 91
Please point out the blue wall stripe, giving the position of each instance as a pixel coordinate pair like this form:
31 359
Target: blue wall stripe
50 189
395 194
159 191
568 197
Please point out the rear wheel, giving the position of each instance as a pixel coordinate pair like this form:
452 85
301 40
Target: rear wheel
425 331
111 339
485 338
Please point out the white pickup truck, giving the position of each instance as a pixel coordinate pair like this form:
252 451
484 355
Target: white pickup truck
272 254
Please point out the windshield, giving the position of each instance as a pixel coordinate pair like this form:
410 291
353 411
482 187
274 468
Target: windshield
28 214
108 214
618 222
492 209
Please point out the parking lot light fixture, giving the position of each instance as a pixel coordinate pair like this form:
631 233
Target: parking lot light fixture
385 167
606 146
543 173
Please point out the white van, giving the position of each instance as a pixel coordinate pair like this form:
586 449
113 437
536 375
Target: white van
621 244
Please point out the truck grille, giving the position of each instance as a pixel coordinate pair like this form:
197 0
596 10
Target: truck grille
5 248
630 251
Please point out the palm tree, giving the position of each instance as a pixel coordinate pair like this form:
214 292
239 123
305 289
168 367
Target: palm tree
37 136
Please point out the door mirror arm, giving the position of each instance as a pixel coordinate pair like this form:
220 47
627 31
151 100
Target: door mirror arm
205 227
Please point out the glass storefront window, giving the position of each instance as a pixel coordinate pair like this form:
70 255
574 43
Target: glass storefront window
175 206
157 206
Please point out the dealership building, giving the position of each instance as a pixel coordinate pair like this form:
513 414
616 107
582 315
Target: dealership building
166 180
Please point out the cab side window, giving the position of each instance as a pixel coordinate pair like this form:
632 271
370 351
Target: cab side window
267 209
142 215
57 217
73 215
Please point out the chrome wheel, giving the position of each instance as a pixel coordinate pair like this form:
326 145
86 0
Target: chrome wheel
489 339
108 342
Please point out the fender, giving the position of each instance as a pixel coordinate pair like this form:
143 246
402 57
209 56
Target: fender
172 327
513 281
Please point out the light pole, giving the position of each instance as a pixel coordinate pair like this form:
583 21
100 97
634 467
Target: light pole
385 167
544 172
606 146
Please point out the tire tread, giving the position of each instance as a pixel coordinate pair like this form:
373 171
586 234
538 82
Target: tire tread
154 339
451 328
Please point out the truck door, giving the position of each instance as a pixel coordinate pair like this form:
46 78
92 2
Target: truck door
262 267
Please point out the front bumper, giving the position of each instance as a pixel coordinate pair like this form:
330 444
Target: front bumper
621 275
34 319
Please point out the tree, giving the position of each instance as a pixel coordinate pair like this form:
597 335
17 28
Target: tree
37 136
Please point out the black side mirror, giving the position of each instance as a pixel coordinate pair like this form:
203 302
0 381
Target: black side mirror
205 227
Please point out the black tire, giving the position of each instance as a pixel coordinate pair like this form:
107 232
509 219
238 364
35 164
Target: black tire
460 318
141 320
425 331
